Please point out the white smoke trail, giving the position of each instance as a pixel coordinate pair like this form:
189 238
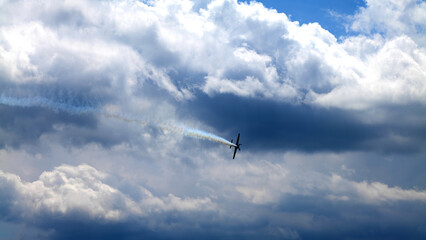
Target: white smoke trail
207 136
46 103
72 109
196 133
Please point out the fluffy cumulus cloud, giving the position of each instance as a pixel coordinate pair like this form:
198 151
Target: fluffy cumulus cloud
391 17
233 200
94 95
81 189
226 47
82 193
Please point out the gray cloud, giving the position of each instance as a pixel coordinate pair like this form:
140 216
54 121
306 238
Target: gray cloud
267 125
69 198
332 130
176 50
17 124
294 61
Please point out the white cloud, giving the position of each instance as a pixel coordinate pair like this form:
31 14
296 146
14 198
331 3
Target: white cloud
201 184
239 48
393 75
82 189
372 193
263 182
392 17
116 47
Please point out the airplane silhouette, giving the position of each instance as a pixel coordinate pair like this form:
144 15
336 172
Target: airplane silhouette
236 145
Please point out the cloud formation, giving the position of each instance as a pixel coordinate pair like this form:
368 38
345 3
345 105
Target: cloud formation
82 193
68 190
392 18
265 182
239 48
333 130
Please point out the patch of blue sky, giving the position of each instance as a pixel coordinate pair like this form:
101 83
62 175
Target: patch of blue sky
330 14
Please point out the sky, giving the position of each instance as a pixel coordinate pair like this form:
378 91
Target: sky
330 14
115 117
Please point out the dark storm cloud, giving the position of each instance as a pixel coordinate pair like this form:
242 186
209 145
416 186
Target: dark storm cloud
77 227
271 125
25 125
20 124
173 226
344 219
308 218
294 217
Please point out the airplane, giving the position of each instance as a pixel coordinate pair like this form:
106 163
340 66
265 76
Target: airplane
236 145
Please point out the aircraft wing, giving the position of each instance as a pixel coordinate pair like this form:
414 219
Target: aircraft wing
238 139
235 151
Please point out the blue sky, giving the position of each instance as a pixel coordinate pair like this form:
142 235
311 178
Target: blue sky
330 14
103 105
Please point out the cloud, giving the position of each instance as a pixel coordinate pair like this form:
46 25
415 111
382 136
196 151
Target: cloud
374 192
268 125
55 57
263 182
81 190
17 124
394 75
142 58
213 197
239 48
352 109
391 17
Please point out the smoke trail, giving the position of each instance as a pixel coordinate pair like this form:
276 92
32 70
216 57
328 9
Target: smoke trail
65 106
46 103
205 135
